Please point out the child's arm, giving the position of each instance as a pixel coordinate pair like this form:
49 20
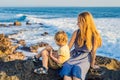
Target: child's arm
54 58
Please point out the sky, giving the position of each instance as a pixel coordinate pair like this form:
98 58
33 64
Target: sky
59 3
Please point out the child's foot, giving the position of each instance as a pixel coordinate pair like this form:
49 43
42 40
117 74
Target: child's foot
41 70
34 59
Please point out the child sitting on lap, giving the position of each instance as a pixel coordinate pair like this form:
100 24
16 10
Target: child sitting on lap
52 59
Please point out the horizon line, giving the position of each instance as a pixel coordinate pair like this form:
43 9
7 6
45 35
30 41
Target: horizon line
59 6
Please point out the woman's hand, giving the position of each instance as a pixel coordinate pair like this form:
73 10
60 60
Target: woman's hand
95 66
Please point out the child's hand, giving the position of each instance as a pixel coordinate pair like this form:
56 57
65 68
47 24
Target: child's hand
49 48
50 53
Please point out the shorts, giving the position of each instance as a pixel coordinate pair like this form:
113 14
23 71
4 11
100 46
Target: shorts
52 64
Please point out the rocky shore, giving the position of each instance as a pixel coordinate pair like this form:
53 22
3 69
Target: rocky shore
23 70
14 67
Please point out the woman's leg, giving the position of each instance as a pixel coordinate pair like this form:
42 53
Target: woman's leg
75 78
67 78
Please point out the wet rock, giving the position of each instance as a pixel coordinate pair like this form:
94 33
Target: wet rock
28 23
40 23
22 42
34 48
44 34
10 24
3 25
17 23
43 44
25 48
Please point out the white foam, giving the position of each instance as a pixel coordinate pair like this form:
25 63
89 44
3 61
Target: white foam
108 28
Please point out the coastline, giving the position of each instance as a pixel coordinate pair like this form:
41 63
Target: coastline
22 69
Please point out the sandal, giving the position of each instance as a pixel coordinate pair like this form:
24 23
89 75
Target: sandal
41 70
34 59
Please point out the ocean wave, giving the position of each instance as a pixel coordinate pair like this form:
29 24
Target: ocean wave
12 18
23 18
108 28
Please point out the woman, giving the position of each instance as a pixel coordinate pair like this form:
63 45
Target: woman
86 40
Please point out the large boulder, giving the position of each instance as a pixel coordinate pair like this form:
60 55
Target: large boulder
23 70
8 51
109 69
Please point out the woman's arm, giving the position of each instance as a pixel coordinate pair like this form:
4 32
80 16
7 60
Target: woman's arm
93 53
72 40
93 56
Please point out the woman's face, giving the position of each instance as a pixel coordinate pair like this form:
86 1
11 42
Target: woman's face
78 23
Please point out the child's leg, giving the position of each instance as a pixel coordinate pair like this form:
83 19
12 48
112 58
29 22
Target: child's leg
48 48
44 55
44 69
39 54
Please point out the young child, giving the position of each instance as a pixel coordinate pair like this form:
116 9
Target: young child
52 59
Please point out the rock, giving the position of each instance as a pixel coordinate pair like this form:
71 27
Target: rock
23 70
22 42
111 64
10 24
3 25
25 48
109 69
12 57
7 50
44 34
34 48
28 23
17 23
103 74
40 23
43 44
13 67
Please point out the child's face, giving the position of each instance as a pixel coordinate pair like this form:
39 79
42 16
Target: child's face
58 44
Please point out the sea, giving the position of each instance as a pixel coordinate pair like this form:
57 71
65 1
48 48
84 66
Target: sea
53 19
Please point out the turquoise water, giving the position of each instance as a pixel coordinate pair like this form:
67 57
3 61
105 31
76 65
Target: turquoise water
107 21
11 14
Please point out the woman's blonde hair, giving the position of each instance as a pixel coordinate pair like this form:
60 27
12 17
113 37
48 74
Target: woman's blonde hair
88 33
61 38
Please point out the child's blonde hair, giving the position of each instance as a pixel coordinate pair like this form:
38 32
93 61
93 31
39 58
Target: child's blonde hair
61 38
